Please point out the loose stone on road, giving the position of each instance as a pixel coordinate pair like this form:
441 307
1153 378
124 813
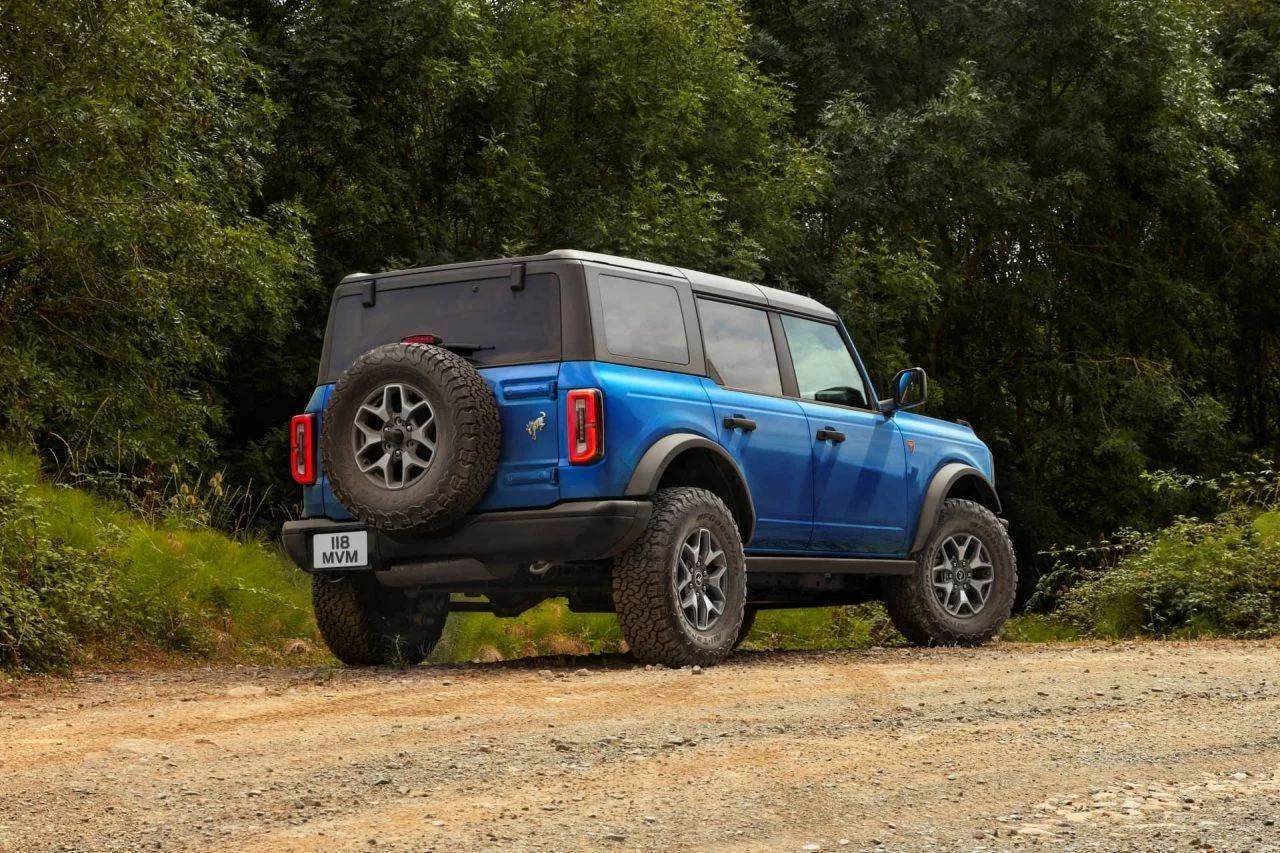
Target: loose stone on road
1088 747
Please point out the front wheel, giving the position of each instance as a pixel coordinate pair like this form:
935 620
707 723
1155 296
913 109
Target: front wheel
366 624
964 582
680 589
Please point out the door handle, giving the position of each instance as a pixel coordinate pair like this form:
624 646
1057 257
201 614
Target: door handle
830 434
739 422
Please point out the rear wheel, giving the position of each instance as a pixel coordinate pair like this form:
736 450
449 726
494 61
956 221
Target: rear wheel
679 591
963 585
367 624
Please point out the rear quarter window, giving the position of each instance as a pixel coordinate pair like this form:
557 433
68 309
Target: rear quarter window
514 327
642 319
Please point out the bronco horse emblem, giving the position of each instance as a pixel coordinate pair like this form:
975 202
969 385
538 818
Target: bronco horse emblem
535 426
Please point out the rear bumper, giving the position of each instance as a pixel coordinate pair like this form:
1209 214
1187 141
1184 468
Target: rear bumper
566 532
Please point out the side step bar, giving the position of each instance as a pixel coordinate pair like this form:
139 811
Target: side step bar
831 565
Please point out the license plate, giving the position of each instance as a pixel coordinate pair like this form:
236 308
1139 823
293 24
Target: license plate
340 550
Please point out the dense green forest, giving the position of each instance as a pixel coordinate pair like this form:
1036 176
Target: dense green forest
1067 211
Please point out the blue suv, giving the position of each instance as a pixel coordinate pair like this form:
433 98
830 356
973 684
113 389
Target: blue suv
676 447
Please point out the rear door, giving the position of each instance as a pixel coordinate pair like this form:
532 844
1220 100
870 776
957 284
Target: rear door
767 433
511 333
859 460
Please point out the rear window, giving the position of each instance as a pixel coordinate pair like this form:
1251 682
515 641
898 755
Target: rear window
513 326
739 347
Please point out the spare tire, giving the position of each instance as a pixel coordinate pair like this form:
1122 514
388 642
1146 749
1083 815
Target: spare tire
411 437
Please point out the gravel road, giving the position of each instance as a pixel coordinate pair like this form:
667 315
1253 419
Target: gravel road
1169 746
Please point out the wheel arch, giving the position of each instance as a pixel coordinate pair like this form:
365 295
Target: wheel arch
685 459
953 480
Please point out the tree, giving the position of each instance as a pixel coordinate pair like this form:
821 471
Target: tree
131 147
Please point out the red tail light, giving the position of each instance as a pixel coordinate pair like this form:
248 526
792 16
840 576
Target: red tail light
585 426
302 448
421 339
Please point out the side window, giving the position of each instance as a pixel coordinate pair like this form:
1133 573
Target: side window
739 347
825 370
642 320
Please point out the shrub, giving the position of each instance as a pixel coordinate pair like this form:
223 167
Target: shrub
81 579
1193 578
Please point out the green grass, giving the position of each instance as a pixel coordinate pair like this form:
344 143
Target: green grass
551 629
1268 527
83 581
548 629
1038 628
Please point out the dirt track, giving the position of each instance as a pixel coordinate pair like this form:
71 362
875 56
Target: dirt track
1088 747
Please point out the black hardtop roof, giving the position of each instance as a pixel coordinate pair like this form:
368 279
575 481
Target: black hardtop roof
701 282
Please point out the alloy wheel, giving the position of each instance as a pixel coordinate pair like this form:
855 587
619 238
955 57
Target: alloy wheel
394 434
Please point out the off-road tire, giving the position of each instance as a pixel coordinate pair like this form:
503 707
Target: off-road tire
910 599
468 438
748 622
644 583
367 624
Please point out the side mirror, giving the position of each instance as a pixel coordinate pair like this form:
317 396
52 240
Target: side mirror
910 388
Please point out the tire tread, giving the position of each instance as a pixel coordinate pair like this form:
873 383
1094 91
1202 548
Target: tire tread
906 597
472 458
646 610
353 615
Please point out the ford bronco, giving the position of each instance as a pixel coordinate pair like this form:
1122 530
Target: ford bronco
678 448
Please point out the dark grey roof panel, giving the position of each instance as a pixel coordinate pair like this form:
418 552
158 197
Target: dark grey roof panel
718 285
612 260
786 301
713 285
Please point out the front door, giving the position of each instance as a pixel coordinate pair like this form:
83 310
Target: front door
859 482
859 460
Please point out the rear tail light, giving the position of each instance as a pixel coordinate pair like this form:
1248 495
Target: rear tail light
302 448
422 339
585 426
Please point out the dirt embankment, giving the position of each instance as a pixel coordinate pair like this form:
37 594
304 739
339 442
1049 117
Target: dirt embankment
1086 747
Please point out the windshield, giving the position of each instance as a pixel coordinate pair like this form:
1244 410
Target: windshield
510 326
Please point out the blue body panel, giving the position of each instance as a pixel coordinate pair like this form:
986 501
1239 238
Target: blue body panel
641 405
860 484
937 443
528 467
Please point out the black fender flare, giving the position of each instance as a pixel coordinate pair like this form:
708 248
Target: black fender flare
943 480
655 461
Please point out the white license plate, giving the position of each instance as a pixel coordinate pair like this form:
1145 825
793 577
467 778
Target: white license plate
340 550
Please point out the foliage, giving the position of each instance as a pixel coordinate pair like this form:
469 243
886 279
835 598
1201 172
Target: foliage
131 148
1191 578
420 131
81 580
